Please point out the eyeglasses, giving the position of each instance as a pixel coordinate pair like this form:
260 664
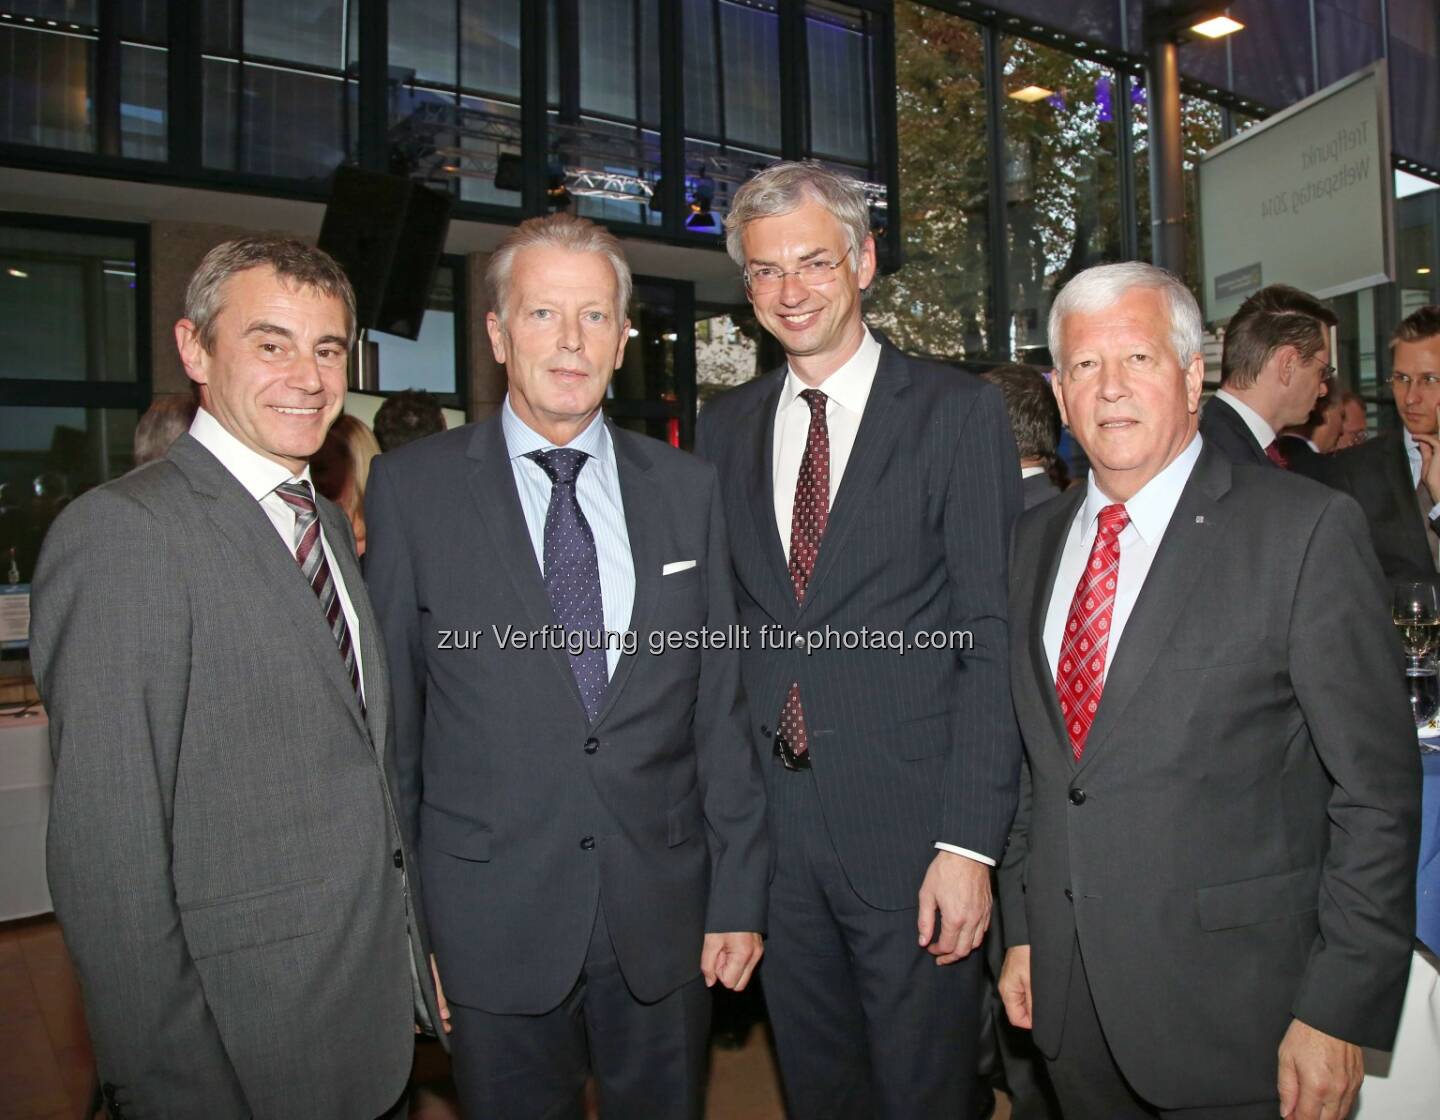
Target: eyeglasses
813 274
1327 373
1404 380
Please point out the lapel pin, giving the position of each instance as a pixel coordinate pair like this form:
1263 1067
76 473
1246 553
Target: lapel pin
1199 519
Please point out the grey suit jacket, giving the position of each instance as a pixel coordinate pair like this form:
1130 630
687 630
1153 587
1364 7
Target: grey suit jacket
1038 488
910 746
1237 845
222 853
1225 430
523 812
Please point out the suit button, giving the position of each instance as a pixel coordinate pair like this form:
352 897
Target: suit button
399 858
1068 895
592 745
1077 797
765 730
587 843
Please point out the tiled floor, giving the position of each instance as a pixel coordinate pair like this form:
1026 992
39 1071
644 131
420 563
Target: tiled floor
46 1066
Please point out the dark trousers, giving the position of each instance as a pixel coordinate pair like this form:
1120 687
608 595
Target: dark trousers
648 1059
866 1025
1009 1060
1089 1083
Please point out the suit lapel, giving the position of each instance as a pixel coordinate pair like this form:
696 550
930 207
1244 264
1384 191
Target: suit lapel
245 525
1051 544
491 479
372 650
874 443
760 431
642 503
1195 526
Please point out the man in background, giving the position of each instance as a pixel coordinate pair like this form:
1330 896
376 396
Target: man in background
1319 435
224 859
406 416
1274 366
166 420
1395 476
1355 425
1035 423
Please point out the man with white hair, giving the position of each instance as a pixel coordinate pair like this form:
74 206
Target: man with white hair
1209 888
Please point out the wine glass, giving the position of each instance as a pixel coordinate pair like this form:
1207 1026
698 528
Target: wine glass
1416 614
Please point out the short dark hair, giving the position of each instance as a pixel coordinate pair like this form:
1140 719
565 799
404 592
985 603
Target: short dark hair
168 417
1418 326
407 416
1034 415
1275 316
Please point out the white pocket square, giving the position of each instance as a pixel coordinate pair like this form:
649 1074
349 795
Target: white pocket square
677 566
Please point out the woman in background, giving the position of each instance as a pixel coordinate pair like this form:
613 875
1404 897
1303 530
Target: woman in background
341 468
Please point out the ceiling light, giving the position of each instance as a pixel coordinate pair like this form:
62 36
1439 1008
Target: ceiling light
1218 27
19 274
1422 272
1031 93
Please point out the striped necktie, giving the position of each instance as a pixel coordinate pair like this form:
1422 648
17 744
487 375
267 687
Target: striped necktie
311 557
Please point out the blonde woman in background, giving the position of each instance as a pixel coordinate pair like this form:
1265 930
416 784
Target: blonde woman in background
341 468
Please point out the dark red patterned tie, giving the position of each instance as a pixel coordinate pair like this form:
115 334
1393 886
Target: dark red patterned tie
1276 456
807 526
311 557
1080 678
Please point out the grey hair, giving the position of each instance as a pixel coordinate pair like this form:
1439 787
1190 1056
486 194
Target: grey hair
292 260
556 231
783 187
1103 286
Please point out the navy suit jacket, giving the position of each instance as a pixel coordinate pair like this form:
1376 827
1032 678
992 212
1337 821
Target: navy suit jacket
909 746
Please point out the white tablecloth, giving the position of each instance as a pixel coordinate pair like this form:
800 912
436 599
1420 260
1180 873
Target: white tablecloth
25 775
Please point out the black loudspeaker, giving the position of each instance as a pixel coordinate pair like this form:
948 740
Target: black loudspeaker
387 232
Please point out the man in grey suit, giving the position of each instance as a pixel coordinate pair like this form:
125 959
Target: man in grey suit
1035 423
573 763
1209 888
870 498
223 855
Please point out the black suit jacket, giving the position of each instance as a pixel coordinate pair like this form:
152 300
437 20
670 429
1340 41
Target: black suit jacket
522 811
1038 488
1237 845
1297 451
911 746
1376 474
1224 429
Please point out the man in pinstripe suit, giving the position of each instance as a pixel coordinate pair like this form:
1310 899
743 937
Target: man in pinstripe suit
867 492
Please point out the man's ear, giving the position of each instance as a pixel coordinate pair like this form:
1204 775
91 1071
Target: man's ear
1285 360
1194 382
1055 388
624 338
193 355
497 336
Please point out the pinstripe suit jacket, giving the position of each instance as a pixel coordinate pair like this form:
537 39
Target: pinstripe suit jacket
910 746
223 856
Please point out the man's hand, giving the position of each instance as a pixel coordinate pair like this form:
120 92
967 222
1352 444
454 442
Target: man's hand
1014 986
730 958
960 888
1429 465
439 998
1319 1075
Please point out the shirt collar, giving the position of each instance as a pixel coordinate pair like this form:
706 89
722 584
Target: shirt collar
521 439
252 470
849 386
1152 507
1264 434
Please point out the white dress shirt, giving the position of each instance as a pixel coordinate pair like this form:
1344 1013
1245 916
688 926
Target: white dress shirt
1031 472
260 477
846 391
1259 428
1150 511
597 490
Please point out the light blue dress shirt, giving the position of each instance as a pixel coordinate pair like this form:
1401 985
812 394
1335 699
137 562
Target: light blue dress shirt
597 489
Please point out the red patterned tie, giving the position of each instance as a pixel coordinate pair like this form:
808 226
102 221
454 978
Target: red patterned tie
1081 677
1276 456
807 526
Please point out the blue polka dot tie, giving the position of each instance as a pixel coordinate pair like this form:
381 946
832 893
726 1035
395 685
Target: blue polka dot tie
572 573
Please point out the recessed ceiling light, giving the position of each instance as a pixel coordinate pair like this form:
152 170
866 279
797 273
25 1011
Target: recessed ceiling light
1422 272
1218 27
1031 93
18 273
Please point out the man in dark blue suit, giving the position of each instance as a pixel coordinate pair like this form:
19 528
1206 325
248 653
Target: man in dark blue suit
585 802
870 497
